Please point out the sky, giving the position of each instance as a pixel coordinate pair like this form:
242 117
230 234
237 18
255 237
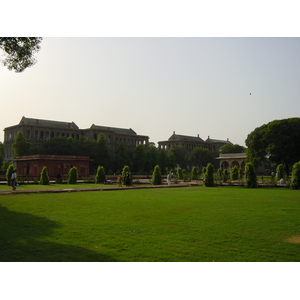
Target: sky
157 85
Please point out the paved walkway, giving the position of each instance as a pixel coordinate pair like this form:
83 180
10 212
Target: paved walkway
108 188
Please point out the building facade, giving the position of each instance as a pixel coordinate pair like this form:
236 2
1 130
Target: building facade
38 131
57 165
191 142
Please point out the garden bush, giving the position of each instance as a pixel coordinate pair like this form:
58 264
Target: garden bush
209 176
250 176
9 172
295 180
100 175
44 178
73 176
156 176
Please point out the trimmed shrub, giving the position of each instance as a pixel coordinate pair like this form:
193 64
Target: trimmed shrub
209 176
100 175
234 173
73 176
156 176
250 176
9 172
280 172
125 171
44 178
194 173
225 175
295 180
180 173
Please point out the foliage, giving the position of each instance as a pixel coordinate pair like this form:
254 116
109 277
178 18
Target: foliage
21 146
209 176
230 148
73 175
220 175
225 175
122 156
1 154
156 176
103 154
100 175
234 173
139 161
200 157
295 180
125 171
179 173
277 139
280 172
9 172
179 154
250 176
194 173
44 178
19 52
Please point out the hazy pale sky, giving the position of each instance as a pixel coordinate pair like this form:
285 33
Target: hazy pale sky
158 85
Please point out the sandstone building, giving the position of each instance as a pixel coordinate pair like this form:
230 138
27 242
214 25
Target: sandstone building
191 142
38 131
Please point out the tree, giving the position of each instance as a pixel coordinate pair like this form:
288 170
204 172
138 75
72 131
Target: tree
139 159
103 155
280 172
200 157
44 178
194 173
156 176
180 154
234 173
125 173
179 173
122 156
250 176
230 148
73 175
100 175
295 180
163 161
152 158
1 154
9 172
209 176
21 146
278 140
19 52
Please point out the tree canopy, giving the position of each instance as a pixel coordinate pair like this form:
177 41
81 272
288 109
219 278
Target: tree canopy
19 52
279 140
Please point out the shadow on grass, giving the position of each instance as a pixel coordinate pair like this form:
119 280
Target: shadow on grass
19 241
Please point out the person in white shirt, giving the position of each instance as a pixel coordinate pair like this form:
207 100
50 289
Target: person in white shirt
13 179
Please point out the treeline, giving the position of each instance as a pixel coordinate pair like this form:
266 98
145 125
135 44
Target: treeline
141 160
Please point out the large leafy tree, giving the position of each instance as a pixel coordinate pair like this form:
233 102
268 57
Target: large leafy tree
230 148
103 155
19 52
200 157
180 154
21 146
279 140
139 158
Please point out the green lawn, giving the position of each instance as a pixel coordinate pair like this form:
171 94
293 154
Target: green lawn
177 224
21 187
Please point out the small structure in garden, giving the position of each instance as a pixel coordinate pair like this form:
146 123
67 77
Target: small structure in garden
57 165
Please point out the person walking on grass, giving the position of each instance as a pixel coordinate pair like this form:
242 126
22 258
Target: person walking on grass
13 180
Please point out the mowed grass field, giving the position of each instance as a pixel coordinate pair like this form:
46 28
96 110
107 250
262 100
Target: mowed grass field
193 224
